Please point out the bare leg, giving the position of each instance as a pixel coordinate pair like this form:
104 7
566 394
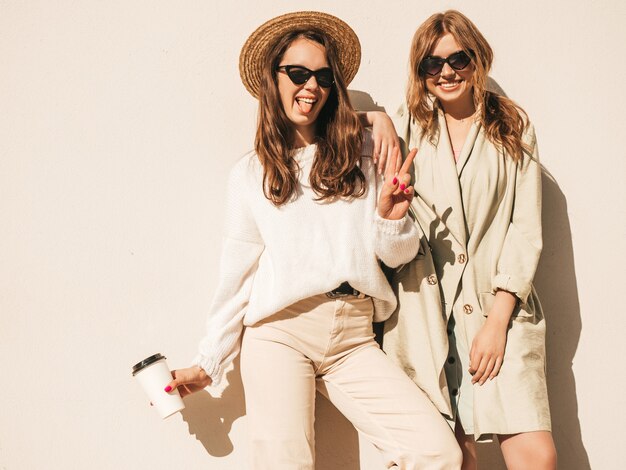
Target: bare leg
528 450
468 446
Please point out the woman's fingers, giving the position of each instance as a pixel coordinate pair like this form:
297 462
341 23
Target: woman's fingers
496 368
480 369
180 376
484 367
382 158
485 375
376 154
188 380
396 193
408 193
398 185
389 168
404 180
185 390
394 157
393 165
473 364
172 385
408 161
398 170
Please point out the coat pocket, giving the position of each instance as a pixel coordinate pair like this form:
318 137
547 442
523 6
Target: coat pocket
487 299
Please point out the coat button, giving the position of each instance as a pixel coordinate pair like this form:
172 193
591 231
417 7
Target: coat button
451 360
432 279
461 258
467 308
455 392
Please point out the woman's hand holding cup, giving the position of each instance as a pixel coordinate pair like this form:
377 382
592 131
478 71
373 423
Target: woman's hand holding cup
189 380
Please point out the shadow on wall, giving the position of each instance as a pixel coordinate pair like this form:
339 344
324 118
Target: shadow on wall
362 101
211 419
556 285
336 440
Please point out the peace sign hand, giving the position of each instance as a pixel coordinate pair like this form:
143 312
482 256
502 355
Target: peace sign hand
396 194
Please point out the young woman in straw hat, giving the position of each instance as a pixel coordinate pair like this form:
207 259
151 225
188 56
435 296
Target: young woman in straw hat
478 199
308 220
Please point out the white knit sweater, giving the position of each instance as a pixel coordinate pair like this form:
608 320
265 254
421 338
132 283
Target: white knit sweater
274 256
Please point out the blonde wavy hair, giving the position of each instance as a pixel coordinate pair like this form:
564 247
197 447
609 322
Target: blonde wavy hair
503 120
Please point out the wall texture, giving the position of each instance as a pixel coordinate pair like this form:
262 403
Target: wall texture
119 121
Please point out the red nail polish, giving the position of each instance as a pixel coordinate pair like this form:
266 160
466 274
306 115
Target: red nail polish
395 180
407 191
168 389
402 186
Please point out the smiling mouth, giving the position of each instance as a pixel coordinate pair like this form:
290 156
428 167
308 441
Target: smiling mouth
449 85
305 104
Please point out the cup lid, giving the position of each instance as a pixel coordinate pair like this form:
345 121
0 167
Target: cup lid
146 362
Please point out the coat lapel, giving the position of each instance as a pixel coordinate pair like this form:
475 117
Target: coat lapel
402 122
450 179
467 147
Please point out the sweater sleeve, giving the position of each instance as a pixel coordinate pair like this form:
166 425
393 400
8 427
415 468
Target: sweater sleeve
396 241
523 241
242 248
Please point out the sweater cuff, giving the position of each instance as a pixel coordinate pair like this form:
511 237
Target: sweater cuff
390 227
212 368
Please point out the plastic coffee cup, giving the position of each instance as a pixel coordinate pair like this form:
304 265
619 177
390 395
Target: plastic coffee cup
154 375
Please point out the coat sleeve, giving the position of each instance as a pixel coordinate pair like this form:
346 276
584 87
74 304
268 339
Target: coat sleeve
242 248
522 244
402 122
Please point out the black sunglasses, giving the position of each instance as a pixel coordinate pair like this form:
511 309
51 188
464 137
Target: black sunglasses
300 75
433 65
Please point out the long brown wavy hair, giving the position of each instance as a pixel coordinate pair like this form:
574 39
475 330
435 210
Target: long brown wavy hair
335 171
504 121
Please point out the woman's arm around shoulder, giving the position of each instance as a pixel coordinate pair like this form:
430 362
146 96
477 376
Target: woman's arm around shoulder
384 137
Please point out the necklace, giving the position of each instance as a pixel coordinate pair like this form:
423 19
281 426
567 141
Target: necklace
460 121
456 127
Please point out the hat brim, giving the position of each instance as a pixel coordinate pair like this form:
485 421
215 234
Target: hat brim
255 50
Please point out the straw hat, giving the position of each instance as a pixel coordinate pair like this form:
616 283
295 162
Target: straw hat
256 48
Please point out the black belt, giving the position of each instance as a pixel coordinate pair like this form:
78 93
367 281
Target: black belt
344 290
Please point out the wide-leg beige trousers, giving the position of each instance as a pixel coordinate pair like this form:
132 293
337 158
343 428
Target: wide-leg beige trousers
329 345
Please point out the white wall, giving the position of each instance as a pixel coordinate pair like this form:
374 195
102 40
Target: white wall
119 121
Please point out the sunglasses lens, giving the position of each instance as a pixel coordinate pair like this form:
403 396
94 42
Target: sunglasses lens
298 75
431 65
459 61
324 77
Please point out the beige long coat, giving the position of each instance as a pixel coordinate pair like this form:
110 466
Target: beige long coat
482 221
